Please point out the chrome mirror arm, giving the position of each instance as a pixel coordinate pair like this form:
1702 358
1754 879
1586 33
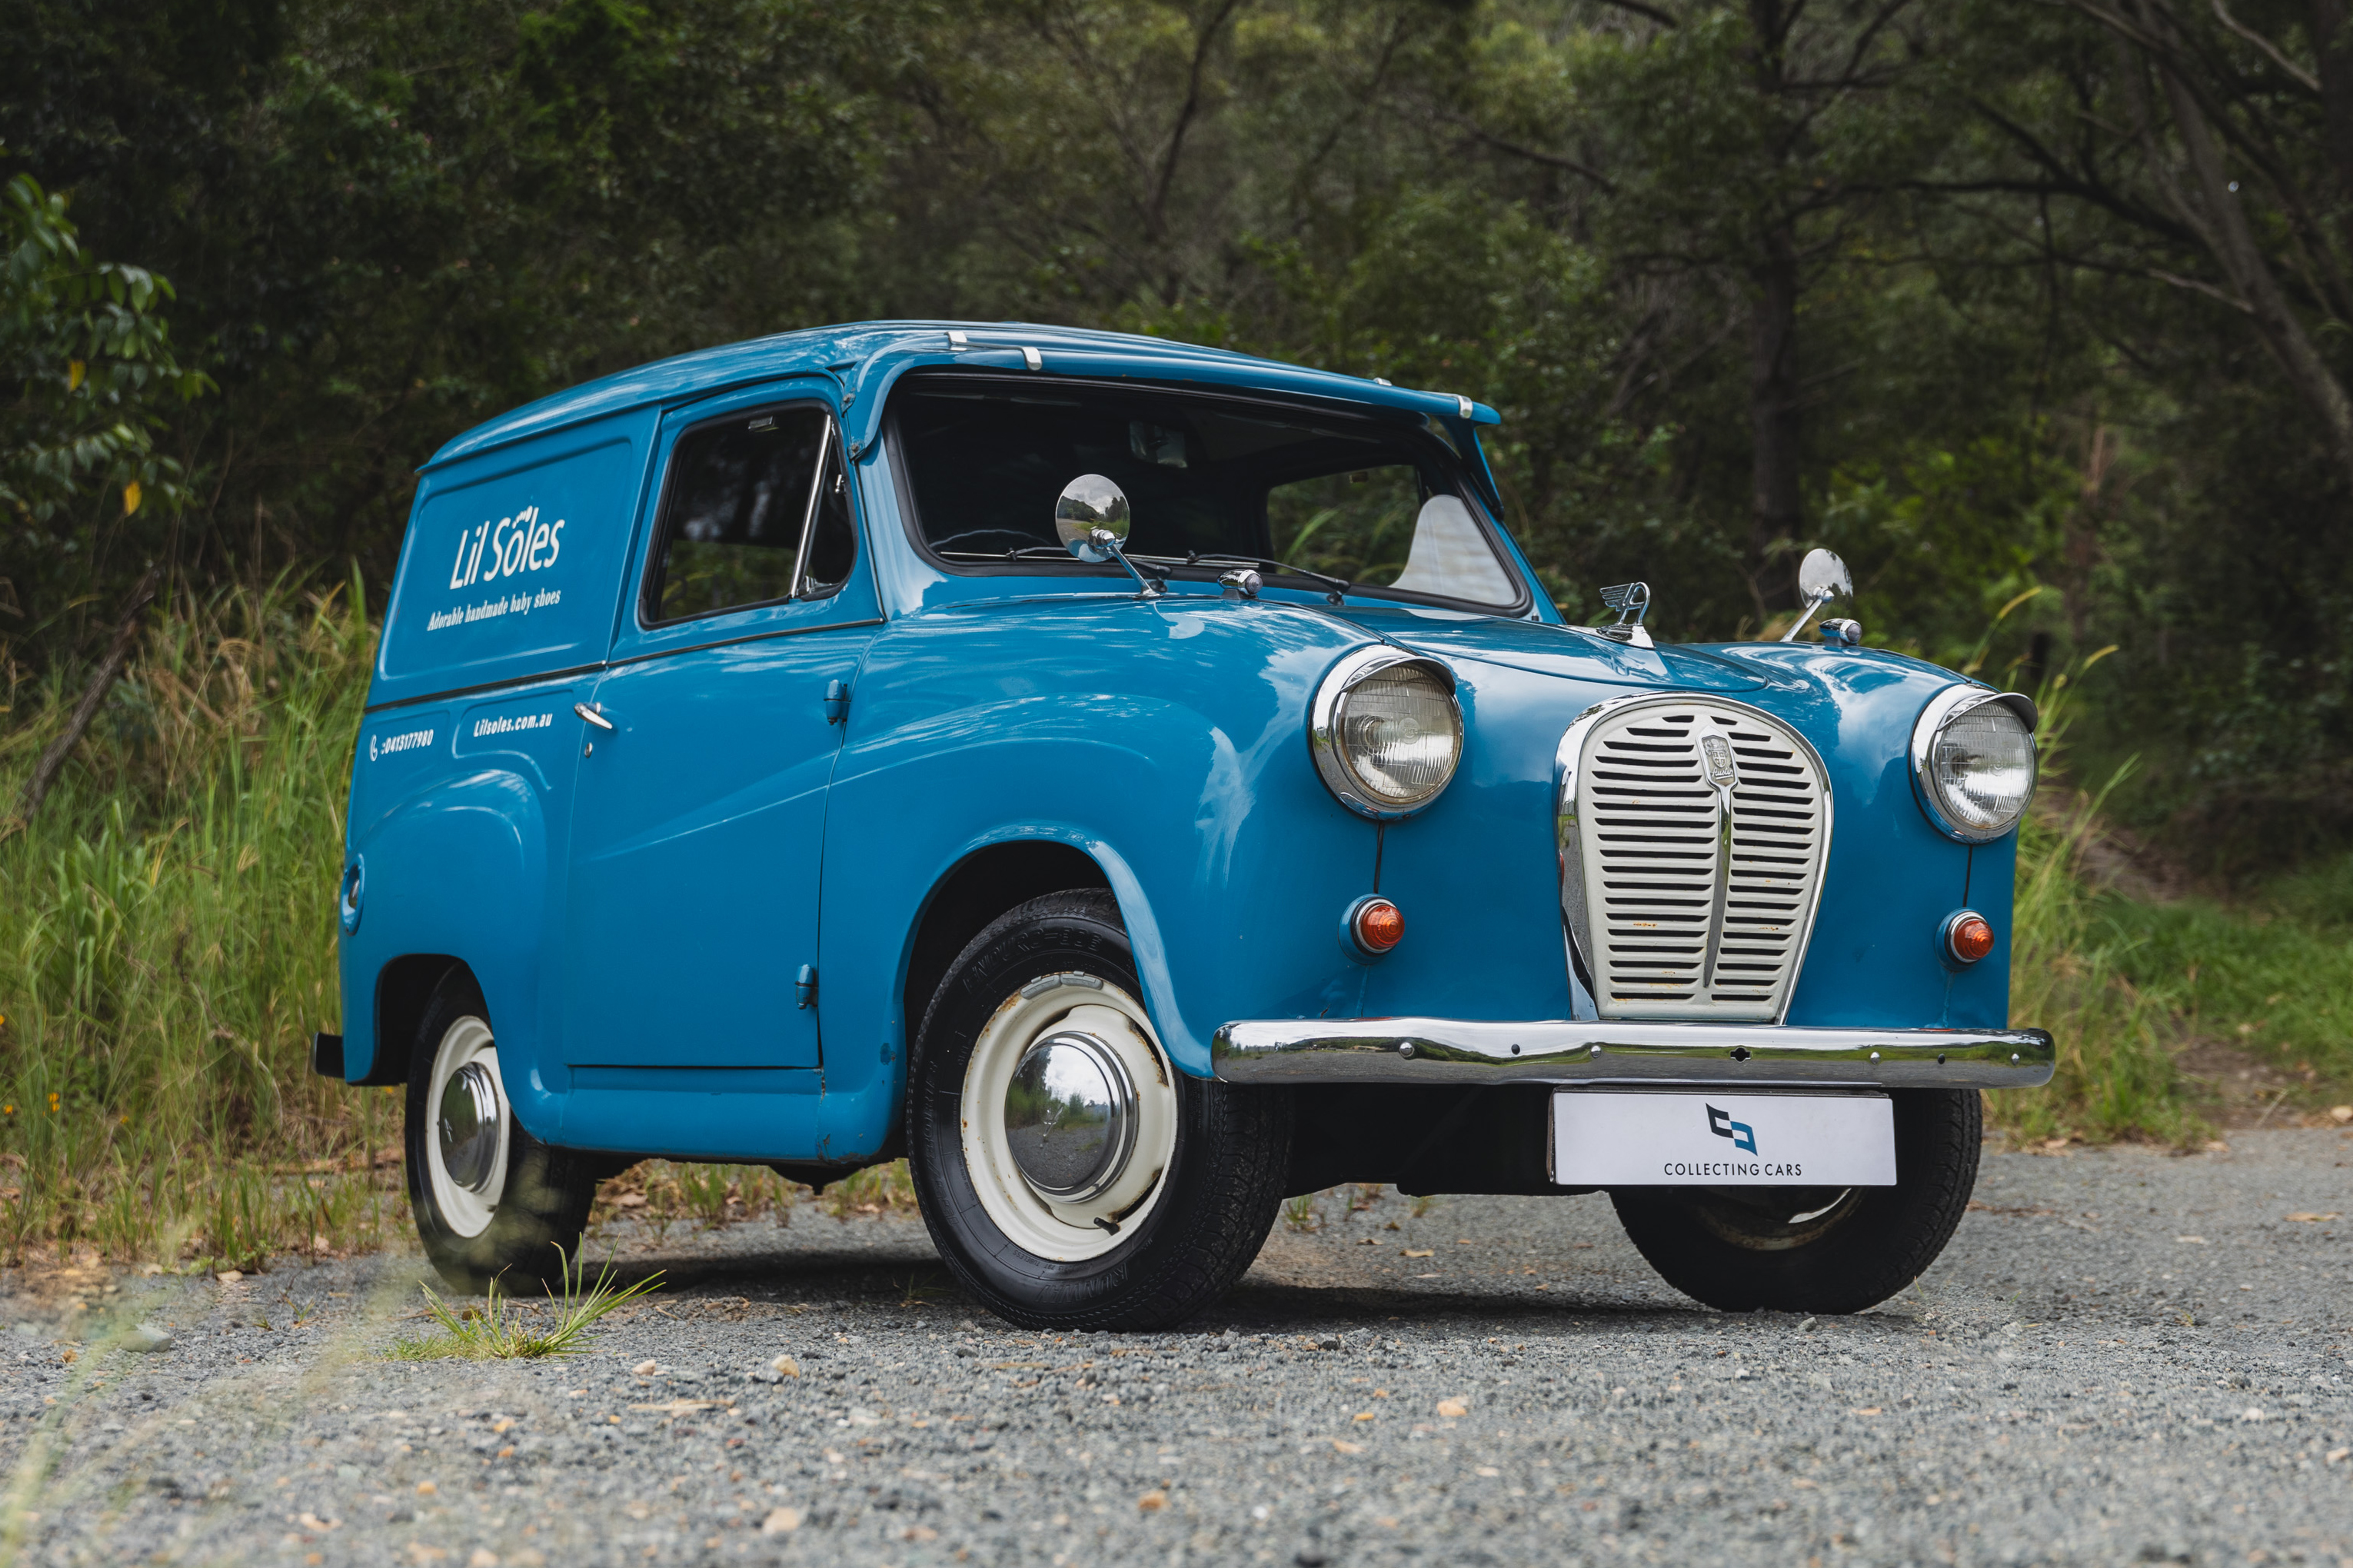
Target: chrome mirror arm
1813 603
1110 543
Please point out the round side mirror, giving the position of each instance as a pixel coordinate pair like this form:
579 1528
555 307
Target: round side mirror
1092 517
1821 575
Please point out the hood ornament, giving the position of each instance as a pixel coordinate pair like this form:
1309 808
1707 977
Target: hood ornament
1632 601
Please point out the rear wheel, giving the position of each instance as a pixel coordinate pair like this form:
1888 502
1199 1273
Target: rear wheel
1817 1249
492 1201
1069 1175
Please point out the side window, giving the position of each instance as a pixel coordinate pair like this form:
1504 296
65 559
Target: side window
1382 527
748 497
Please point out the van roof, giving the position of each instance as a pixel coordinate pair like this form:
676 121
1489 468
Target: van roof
863 344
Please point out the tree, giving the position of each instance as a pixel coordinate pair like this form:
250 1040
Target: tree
90 377
1741 150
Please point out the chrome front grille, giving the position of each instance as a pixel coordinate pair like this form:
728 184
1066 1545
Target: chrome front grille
1691 837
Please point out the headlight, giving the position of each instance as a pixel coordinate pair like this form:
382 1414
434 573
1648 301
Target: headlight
1385 731
1973 759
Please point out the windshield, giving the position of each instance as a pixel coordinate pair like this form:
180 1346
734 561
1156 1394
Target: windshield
1378 506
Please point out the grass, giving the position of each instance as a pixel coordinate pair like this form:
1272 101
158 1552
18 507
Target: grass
661 1192
2272 975
502 1328
877 1190
167 946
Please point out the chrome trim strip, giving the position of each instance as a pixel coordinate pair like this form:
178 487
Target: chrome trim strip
825 441
1561 1051
1568 844
1941 710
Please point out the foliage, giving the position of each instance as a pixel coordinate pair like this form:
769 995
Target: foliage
89 372
504 1329
875 1189
2273 977
1947 288
167 945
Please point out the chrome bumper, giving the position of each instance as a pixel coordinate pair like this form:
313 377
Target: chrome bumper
1746 1055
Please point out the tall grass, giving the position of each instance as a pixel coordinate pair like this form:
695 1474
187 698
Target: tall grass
167 945
2272 976
2071 969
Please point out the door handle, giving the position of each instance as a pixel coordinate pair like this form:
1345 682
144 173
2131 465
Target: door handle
593 715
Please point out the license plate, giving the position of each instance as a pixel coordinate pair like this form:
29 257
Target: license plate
1607 1139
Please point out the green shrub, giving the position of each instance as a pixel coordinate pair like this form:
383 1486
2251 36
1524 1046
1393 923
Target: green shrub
167 946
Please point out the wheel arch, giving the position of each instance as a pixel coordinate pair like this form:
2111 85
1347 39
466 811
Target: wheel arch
404 989
973 893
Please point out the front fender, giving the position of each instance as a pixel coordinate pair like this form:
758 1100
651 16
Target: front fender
1166 740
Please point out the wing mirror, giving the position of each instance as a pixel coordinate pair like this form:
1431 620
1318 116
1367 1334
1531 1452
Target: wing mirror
1821 577
1092 518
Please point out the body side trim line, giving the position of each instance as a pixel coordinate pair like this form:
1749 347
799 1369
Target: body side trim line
563 674
747 636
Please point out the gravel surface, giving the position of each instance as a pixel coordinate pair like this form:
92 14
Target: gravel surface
2124 1356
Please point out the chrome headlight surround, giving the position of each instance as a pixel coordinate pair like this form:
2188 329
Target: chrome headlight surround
1327 730
1946 706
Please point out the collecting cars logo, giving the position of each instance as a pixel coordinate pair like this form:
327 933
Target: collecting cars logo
1720 1123
506 548
1741 1136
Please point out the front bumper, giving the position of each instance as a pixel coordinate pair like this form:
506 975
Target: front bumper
1441 1051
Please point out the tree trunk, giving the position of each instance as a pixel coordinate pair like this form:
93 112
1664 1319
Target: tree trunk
101 680
2333 42
2233 244
1777 509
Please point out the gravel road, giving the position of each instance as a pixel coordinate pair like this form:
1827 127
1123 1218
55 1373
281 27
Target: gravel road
2124 1356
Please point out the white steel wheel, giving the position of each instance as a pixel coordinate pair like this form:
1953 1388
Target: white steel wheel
467 1148
1068 1116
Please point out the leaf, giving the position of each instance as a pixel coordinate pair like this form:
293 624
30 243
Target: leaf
131 498
75 372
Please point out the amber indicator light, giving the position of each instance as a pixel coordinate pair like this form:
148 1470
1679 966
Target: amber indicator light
1970 937
1380 925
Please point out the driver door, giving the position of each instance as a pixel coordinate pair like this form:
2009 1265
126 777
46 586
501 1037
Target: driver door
700 813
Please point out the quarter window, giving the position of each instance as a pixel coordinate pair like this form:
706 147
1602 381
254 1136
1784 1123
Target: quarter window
1383 527
758 511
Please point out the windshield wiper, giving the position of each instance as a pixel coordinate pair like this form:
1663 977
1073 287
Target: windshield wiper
1338 586
1025 553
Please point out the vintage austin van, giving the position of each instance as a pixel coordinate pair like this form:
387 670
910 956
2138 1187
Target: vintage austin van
1137 782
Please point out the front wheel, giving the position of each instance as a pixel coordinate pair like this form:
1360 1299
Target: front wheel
1816 1249
492 1201
1071 1177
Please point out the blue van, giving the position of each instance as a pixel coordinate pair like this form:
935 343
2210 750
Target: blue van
1135 783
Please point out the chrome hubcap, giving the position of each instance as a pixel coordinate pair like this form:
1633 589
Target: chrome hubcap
1071 1116
468 1123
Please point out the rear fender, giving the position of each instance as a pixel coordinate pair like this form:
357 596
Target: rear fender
459 868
